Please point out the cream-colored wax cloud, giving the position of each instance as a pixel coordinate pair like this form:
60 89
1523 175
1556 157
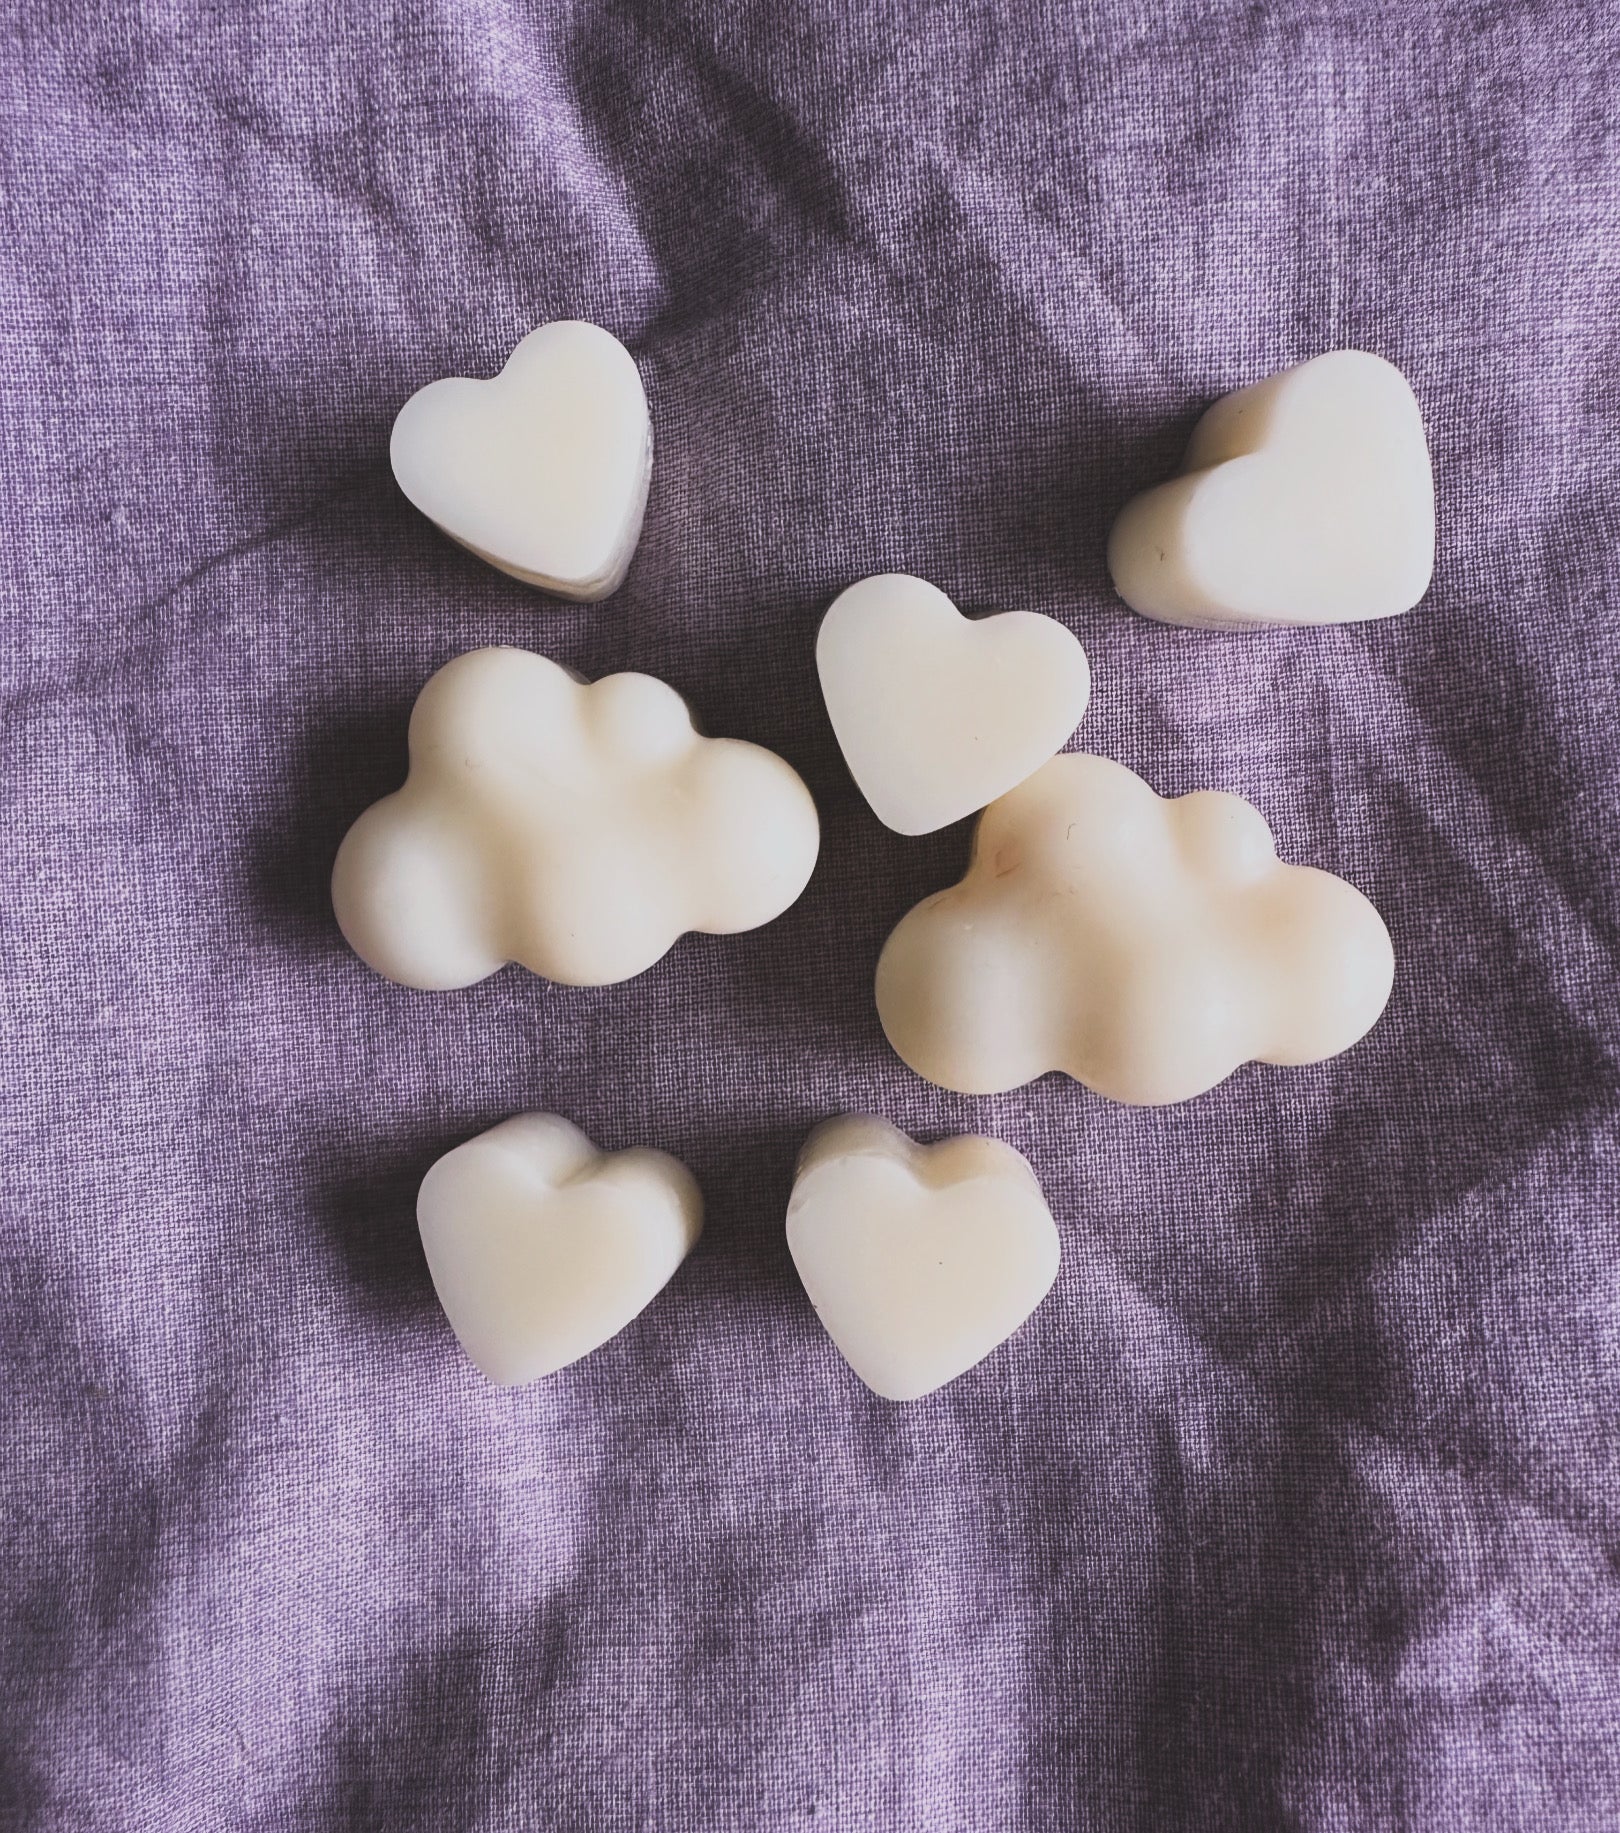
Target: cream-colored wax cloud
1304 499
919 1260
1144 946
542 471
938 714
578 829
541 1247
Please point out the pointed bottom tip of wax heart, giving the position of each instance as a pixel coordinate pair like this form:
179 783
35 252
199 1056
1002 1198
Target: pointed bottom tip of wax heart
902 1390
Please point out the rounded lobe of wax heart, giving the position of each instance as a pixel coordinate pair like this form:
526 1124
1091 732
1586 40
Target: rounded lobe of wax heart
919 1260
542 471
578 828
938 714
1146 946
541 1247
1307 498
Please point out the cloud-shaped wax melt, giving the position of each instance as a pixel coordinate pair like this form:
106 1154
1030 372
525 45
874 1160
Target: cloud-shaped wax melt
576 829
1145 946
543 471
938 714
541 1247
919 1260
1304 499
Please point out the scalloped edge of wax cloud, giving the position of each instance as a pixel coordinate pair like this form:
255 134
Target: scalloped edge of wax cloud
576 828
1146 946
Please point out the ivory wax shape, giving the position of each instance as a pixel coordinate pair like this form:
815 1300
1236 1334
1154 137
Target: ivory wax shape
542 471
1145 946
919 1260
576 828
938 714
1305 499
541 1247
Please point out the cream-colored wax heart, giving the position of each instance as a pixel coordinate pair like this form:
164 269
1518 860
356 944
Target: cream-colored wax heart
919 1260
541 1247
1145 946
1305 499
542 471
578 829
938 714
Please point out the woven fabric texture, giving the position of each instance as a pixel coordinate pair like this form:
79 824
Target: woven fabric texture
1297 1505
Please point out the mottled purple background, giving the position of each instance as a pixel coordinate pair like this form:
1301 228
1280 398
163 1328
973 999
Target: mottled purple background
1296 1505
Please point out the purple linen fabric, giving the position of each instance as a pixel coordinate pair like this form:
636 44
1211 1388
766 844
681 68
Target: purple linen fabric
1296 1504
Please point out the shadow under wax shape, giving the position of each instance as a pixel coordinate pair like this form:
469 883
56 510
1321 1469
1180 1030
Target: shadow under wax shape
347 764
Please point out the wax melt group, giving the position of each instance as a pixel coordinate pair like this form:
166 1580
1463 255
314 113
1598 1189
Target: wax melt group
1146 947
920 1260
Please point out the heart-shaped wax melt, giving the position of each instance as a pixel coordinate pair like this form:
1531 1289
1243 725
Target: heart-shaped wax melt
543 471
541 1247
938 714
919 1260
1305 499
